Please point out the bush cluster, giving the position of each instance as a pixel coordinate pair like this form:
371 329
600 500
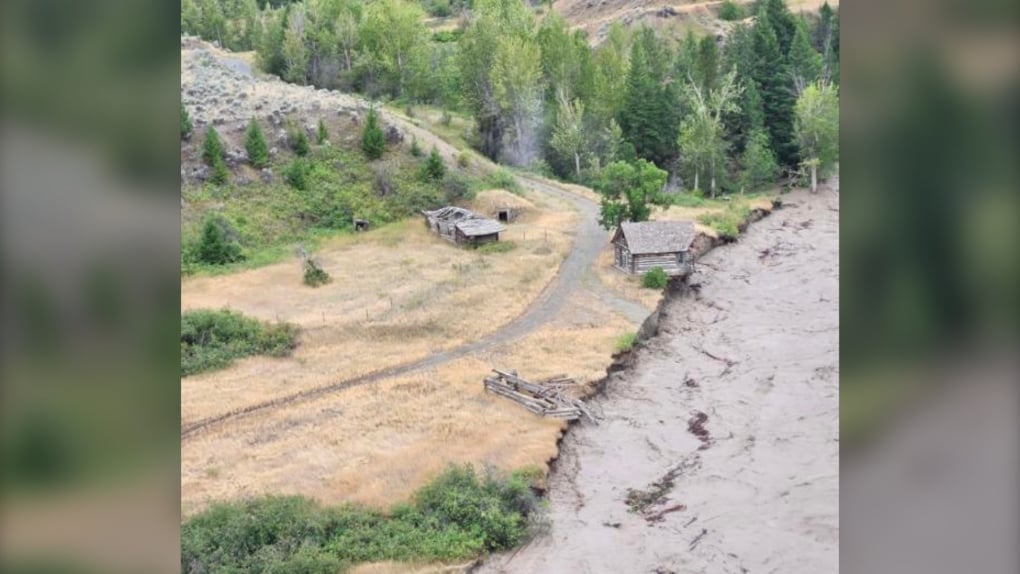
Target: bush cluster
655 278
216 245
730 11
213 339
315 275
625 342
459 515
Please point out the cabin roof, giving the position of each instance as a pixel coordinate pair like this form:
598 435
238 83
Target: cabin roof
646 237
480 226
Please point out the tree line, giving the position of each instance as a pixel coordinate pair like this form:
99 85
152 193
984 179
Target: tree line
716 116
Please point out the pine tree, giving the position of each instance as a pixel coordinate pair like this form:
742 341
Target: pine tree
771 72
415 148
220 173
214 247
212 149
373 141
186 126
758 163
805 62
255 145
301 147
322 136
649 117
434 168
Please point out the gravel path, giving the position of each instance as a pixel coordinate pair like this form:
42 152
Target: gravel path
733 409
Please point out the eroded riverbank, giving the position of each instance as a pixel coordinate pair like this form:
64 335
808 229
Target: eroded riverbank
719 450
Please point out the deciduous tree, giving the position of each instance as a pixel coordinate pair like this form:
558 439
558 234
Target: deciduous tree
817 128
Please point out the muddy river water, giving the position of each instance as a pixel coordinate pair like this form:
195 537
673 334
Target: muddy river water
719 447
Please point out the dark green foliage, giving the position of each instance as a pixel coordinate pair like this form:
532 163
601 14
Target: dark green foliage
212 148
321 135
629 191
655 278
186 126
758 163
373 140
434 167
415 148
730 11
458 515
771 72
255 145
649 118
217 246
296 174
504 179
220 174
456 188
299 142
213 339
315 275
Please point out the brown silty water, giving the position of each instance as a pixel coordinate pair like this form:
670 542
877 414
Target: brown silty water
719 450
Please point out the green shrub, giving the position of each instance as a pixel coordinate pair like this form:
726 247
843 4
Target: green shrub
373 140
186 126
213 339
315 275
212 148
458 515
296 174
415 148
216 245
255 145
434 167
655 278
504 179
463 159
625 342
731 11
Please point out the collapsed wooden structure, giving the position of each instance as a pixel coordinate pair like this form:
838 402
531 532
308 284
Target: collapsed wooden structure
462 226
545 398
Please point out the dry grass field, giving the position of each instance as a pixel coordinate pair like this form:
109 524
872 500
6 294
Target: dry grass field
398 293
377 444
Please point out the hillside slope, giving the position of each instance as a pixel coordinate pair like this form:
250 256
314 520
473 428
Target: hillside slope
670 18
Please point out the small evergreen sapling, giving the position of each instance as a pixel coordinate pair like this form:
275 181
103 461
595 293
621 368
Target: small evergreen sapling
212 149
434 167
301 143
322 136
255 145
373 140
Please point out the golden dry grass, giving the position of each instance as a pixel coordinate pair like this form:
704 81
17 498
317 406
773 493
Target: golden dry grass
398 294
378 443
626 286
390 567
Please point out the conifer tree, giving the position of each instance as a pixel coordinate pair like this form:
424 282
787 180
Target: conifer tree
434 168
220 174
300 143
212 149
758 163
771 72
649 117
255 145
805 62
373 141
322 135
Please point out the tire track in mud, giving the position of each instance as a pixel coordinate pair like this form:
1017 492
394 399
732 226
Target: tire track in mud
587 244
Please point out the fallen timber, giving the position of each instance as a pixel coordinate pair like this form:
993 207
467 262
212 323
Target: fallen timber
545 398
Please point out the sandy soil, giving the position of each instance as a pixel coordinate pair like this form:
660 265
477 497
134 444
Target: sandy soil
754 356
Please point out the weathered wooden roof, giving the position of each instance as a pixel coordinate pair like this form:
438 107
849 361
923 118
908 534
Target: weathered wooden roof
476 227
451 212
657 236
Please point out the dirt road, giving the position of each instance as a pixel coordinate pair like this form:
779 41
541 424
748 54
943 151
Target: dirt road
732 409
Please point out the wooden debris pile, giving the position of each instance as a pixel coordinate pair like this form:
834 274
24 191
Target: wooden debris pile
545 398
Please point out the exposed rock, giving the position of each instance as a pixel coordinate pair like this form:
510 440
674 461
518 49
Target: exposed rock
394 135
267 174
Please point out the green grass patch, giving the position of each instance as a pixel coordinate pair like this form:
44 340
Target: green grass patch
497 247
505 179
727 221
213 339
461 514
625 342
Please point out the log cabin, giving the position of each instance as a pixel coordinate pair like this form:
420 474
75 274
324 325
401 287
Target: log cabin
642 246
